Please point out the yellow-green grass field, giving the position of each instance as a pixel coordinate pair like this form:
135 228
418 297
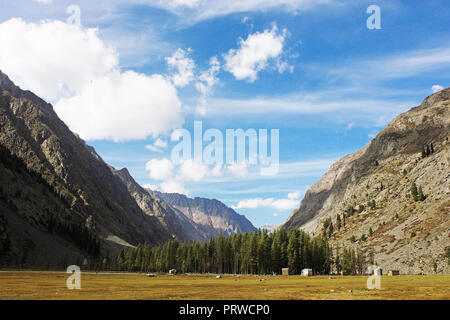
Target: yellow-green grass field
99 286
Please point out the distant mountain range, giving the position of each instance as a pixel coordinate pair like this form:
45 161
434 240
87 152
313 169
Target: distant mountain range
60 201
211 216
373 189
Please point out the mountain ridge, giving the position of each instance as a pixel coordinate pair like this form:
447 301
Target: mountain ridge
212 215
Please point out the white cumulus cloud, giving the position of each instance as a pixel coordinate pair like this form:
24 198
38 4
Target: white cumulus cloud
160 169
158 146
291 202
73 68
52 58
174 186
254 54
191 170
183 67
122 107
239 169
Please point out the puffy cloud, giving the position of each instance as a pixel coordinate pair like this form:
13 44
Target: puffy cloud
73 68
207 80
254 54
174 177
160 169
157 146
436 88
160 143
152 187
253 203
123 106
285 204
217 171
174 186
183 66
192 171
52 58
294 195
290 203
238 169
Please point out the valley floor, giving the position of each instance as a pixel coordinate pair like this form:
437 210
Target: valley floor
98 286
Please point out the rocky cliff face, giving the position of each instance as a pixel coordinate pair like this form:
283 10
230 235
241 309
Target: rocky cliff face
56 189
399 232
210 215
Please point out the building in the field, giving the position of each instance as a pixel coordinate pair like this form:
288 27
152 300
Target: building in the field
285 271
307 272
393 273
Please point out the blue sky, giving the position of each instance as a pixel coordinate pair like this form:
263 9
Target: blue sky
134 71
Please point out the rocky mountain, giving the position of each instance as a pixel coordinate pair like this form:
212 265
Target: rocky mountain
57 196
392 197
211 216
175 221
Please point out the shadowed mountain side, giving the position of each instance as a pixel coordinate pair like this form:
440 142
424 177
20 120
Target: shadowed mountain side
89 195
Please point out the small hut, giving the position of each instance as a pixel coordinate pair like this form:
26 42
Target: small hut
285 271
393 273
307 272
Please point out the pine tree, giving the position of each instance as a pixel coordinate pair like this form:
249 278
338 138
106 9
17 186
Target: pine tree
330 230
423 152
432 148
420 195
428 150
414 192
275 253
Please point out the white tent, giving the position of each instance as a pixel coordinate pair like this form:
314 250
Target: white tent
307 272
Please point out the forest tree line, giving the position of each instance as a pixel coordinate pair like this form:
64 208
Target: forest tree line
259 252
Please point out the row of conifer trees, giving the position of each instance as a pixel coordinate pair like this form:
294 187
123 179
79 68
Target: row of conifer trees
259 252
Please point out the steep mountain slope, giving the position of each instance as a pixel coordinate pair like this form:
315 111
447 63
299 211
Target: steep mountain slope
174 220
56 187
397 231
212 216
